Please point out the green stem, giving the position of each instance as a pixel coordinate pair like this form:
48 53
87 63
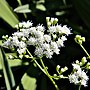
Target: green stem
84 50
39 66
19 2
29 53
79 87
43 70
49 76
36 61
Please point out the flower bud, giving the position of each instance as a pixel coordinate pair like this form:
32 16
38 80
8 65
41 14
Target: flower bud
47 19
61 76
62 70
84 60
55 21
77 62
65 68
27 56
55 75
58 66
52 20
83 39
78 36
48 24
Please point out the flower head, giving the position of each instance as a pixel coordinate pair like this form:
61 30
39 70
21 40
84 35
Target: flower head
46 42
78 76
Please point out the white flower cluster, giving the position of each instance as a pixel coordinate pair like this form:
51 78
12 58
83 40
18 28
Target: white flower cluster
46 42
78 76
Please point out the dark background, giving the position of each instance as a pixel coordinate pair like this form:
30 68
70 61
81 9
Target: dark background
74 14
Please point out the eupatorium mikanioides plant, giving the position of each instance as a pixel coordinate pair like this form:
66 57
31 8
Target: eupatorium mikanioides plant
46 42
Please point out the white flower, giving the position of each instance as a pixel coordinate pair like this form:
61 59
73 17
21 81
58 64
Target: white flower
47 38
32 30
66 30
40 28
28 24
48 53
76 66
38 52
38 34
31 41
63 38
84 82
25 32
7 43
54 47
78 76
18 34
40 41
52 29
84 76
25 24
73 78
22 44
21 50
15 41
46 43
60 42
59 29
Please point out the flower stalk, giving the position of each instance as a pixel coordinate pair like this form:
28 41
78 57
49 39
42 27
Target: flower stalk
44 69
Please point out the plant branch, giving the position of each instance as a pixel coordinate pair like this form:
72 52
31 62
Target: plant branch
84 50
49 76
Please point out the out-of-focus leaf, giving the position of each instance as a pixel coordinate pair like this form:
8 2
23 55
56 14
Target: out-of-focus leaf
8 75
60 13
15 62
41 1
40 7
28 83
83 9
7 14
22 9
0 42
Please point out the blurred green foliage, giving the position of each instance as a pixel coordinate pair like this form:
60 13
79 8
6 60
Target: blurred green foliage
74 13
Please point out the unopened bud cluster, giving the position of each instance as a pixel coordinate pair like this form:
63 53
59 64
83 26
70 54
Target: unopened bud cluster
79 39
51 21
60 72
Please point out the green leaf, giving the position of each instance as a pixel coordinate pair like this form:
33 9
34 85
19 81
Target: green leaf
60 13
14 62
22 9
28 83
0 42
40 7
8 75
7 14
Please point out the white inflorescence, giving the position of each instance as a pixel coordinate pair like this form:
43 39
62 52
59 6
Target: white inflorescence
46 42
79 76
